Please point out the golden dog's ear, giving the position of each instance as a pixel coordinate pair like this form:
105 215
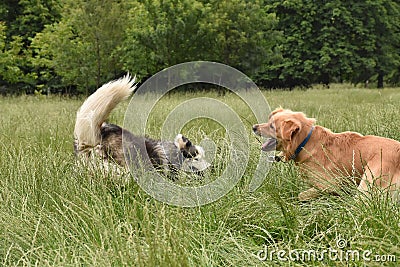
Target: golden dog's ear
289 128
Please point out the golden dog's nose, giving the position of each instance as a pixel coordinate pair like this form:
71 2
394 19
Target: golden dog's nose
255 128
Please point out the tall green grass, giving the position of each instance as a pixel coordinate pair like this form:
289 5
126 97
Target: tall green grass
54 214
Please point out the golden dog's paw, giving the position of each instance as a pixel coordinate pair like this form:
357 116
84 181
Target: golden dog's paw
309 194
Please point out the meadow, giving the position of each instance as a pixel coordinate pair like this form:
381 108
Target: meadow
53 214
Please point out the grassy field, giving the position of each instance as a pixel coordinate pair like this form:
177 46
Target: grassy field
53 215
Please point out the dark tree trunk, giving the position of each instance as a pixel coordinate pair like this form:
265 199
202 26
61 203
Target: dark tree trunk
325 79
380 79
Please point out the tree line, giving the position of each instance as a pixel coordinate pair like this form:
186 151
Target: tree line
73 46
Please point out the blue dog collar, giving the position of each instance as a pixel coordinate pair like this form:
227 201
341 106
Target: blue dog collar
300 147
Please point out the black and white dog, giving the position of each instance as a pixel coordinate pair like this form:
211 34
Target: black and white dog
94 138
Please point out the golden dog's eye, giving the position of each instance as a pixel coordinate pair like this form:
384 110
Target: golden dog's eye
271 126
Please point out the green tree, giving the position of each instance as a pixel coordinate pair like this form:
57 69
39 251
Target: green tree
22 20
382 22
11 58
9 10
337 40
82 47
163 33
242 34
32 16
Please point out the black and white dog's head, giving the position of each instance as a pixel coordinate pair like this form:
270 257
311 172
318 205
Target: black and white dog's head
193 155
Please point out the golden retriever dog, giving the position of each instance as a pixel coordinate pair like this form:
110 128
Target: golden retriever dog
330 160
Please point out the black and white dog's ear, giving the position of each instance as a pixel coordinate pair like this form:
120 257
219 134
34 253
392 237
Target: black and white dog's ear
178 141
181 142
188 143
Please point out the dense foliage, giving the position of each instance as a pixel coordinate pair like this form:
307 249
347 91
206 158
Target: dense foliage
75 45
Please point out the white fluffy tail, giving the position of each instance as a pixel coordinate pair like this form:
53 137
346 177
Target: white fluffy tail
96 109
